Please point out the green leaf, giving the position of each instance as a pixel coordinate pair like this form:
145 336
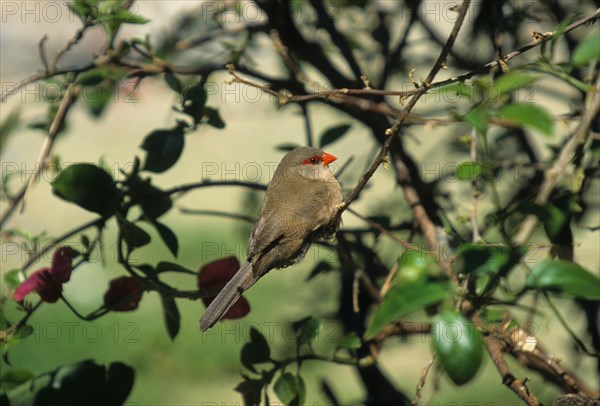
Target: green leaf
402 300
85 241
93 76
286 147
87 186
514 80
478 117
154 202
587 50
256 351
84 383
173 82
13 378
13 278
559 30
168 236
483 259
332 134
171 315
250 390
163 149
97 101
290 389
493 315
468 170
527 115
8 125
194 99
214 118
84 8
451 91
307 330
351 342
566 277
552 217
120 16
133 235
414 267
458 345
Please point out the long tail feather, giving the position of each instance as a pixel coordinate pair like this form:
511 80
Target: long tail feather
242 280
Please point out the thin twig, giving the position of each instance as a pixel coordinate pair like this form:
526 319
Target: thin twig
403 329
551 176
58 121
325 21
94 223
42 50
566 326
307 125
55 127
158 286
387 232
15 327
370 286
494 348
410 193
156 69
536 42
476 236
355 287
234 216
74 40
528 351
388 279
289 62
188 43
209 183
422 380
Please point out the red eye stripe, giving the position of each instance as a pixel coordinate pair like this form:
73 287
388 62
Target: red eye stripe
313 160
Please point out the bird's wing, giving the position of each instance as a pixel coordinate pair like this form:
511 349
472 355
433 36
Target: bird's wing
266 231
292 213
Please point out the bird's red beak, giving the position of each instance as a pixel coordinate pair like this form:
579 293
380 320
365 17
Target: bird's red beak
328 158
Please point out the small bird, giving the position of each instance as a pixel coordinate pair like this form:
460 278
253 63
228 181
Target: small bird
299 207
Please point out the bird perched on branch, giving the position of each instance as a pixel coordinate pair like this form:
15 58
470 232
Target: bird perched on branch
299 207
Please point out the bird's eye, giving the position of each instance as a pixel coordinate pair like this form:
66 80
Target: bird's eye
313 160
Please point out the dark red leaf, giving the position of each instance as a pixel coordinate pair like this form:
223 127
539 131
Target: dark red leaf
40 281
47 282
123 294
215 275
62 264
237 311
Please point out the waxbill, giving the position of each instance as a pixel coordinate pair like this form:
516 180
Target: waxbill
299 207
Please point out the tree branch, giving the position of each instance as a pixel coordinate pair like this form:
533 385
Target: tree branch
551 176
494 348
538 40
57 124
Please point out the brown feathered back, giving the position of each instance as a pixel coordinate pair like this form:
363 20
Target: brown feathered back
298 208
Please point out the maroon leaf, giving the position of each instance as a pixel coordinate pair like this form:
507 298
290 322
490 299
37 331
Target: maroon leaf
123 294
215 275
40 281
47 282
62 264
